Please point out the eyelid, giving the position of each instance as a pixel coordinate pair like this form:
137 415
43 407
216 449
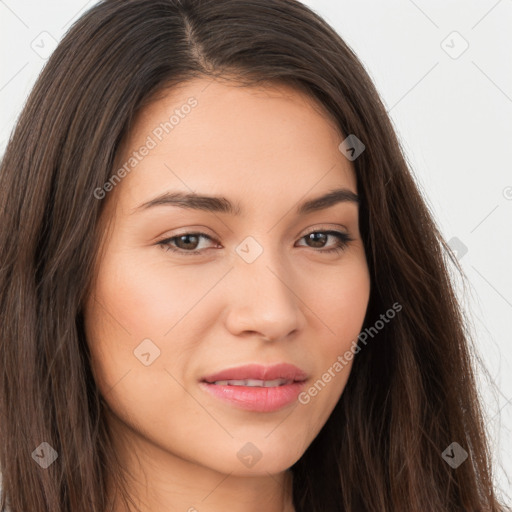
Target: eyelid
197 230
324 227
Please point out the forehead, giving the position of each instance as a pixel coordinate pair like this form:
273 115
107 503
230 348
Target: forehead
209 135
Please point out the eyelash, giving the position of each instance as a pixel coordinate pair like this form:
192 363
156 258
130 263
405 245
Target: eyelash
341 244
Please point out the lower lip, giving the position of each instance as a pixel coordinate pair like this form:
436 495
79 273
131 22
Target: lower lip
256 399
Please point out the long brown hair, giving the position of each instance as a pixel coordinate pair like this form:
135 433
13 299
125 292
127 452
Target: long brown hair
412 391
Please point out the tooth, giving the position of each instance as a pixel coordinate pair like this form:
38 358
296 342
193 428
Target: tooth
252 383
273 383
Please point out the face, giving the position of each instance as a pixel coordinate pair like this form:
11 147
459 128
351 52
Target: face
265 278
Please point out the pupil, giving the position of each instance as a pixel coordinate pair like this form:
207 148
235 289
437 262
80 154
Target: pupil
186 239
317 237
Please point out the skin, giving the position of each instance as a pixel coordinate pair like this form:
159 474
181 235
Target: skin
267 149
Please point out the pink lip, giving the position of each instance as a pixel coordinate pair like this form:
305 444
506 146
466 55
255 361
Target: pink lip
257 399
259 372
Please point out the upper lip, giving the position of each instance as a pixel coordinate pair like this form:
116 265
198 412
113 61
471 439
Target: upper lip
259 372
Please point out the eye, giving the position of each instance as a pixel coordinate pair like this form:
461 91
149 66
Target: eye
319 239
187 243
183 243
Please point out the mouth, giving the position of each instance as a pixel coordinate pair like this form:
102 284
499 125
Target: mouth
257 388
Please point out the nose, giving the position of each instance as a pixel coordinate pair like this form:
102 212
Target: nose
263 299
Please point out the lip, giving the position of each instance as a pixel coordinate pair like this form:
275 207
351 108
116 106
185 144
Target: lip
259 372
255 398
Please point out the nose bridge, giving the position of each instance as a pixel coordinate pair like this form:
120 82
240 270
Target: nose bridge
262 299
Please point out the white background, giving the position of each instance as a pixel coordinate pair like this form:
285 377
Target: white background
453 115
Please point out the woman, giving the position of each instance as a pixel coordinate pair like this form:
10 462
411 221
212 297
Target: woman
143 373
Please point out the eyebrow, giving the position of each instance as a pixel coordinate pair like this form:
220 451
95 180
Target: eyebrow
219 204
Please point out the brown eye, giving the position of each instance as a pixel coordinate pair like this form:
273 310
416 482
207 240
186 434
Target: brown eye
318 240
186 243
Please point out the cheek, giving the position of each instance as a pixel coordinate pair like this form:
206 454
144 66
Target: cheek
339 298
134 316
132 362
146 298
128 305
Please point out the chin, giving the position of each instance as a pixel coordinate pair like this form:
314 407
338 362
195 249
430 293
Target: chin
264 458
